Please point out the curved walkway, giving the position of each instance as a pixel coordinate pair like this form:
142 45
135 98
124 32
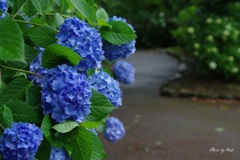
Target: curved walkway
160 128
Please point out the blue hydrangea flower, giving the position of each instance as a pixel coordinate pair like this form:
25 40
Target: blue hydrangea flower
124 72
106 85
3 8
83 39
66 94
35 64
21 141
58 154
114 129
114 52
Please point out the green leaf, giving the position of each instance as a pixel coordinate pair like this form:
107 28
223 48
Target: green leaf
2 86
44 150
29 9
41 6
59 19
15 90
103 23
33 98
46 127
102 14
91 125
85 9
119 33
30 55
22 111
43 36
33 95
98 152
56 54
11 41
81 146
65 127
6 117
100 107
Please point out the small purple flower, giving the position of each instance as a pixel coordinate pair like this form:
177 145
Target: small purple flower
21 141
66 94
106 85
35 65
114 52
114 129
58 154
83 39
124 72
3 8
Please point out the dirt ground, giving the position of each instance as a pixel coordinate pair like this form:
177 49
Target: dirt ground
159 128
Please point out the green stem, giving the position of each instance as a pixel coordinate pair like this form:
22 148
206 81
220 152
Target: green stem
36 24
53 14
20 70
19 9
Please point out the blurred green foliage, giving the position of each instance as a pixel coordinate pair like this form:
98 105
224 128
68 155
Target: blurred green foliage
211 34
152 19
207 29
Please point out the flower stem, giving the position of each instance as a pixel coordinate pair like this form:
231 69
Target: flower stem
19 9
20 70
53 14
36 24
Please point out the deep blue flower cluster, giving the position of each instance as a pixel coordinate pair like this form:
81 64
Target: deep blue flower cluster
66 94
114 52
35 67
3 8
106 85
114 129
124 71
83 39
58 154
21 141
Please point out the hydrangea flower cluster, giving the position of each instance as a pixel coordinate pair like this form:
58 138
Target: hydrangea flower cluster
83 39
58 154
114 52
21 141
124 72
3 8
114 129
35 65
66 94
106 85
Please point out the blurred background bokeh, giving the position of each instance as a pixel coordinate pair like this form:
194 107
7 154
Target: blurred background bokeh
188 50
208 31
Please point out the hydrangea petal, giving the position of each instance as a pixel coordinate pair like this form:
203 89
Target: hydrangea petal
114 129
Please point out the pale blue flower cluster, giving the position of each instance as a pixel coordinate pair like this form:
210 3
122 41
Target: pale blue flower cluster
66 94
124 71
58 154
83 39
114 52
35 67
114 129
106 85
21 141
3 8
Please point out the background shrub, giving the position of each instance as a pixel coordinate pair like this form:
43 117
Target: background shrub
207 30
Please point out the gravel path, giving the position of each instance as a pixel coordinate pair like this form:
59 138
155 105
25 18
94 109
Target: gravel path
171 129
